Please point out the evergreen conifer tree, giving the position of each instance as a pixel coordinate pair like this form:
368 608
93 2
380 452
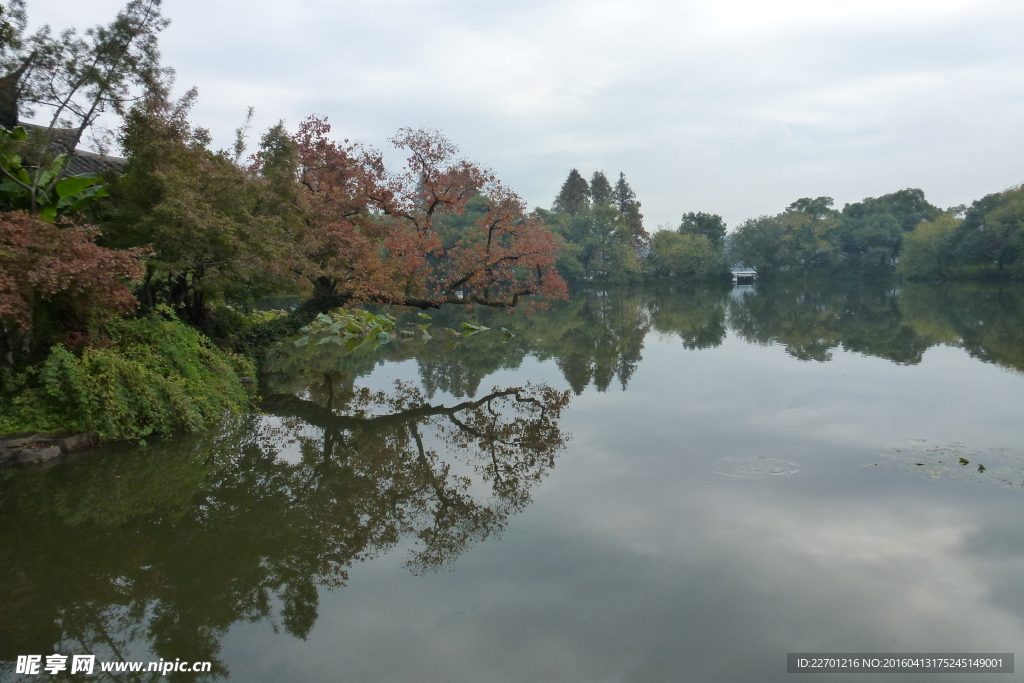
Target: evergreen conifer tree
625 200
600 188
623 195
635 222
574 195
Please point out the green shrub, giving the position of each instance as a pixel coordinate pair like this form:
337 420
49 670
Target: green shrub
140 377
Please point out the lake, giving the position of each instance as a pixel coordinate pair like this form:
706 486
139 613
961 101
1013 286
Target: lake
649 485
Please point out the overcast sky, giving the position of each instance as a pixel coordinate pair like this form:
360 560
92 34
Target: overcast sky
735 107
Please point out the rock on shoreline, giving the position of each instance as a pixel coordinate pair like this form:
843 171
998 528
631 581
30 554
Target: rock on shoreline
36 448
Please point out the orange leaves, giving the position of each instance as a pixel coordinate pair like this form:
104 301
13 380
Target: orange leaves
343 179
371 233
434 180
61 265
510 255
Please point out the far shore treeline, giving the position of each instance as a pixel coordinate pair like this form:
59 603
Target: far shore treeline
130 288
898 233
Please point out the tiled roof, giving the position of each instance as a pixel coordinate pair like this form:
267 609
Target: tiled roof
81 161
87 162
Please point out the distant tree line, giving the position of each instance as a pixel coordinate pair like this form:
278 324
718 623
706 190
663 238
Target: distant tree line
900 231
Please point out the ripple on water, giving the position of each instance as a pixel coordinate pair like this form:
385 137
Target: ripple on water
738 467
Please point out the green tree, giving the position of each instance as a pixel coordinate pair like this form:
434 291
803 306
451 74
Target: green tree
872 230
621 254
797 239
634 221
684 256
817 209
618 237
625 200
908 207
992 232
928 250
809 240
574 196
623 195
707 224
871 240
205 217
600 188
574 256
605 237
74 78
756 243
13 62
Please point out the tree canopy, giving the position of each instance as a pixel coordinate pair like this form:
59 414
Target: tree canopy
600 188
215 231
898 231
992 232
70 79
709 225
370 234
574 195
602 225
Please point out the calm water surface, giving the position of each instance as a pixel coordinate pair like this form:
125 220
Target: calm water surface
641 486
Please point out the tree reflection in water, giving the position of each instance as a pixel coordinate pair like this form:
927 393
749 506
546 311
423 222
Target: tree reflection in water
155 552
878 319
597 339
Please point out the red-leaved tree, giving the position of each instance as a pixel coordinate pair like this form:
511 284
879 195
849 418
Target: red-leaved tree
57 272
367 234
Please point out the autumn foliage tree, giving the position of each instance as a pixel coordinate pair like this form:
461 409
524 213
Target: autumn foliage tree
367 234
55 280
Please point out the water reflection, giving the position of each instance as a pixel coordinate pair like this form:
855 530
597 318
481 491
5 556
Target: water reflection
597 339
987 322
159 551
875 320
811 323
698 316
155 552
